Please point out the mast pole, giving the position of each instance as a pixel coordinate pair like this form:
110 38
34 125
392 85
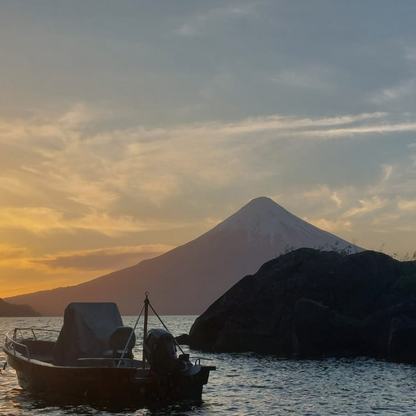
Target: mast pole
146 316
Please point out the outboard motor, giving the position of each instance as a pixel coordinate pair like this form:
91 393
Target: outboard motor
160 352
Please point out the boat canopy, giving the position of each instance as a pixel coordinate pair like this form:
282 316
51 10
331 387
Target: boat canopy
86 331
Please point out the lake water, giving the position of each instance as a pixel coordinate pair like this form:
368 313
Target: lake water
246 384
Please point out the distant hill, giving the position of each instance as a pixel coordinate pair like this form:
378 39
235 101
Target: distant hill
9 310
187 279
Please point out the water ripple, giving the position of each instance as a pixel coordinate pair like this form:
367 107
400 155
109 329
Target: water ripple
247 384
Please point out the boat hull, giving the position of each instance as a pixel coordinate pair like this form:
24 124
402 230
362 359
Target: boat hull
107 383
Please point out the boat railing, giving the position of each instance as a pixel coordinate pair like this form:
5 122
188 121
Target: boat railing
198 360
18 342
17 347
14 339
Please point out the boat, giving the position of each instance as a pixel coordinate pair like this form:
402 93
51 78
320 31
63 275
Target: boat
92 357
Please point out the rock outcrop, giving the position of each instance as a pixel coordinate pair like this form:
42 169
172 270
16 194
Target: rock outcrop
311 304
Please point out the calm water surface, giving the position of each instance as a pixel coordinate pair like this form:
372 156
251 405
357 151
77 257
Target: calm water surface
246 384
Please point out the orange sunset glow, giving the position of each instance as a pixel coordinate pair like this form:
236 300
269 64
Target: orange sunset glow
129 129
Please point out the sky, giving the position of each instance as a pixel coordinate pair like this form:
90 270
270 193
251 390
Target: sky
128 128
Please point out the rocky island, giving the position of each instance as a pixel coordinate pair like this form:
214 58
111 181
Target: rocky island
9 310
313 304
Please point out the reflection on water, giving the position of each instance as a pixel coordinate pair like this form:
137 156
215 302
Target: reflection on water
246 384
28 403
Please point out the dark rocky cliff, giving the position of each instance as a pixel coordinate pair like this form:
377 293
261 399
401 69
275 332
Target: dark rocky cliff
9 310
311 303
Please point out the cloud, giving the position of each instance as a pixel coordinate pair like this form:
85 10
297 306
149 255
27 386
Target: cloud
186 30
279 124
386 220
87 193
201 22
387 172
82 115
100 259
322 192
309 77
410 53
114 226
88 260
403 89
407 205
211 222
351 210
44 221
329 225
119 140
22 271
38 220
336 199
74 180
17 186
367 206
13 257
361 131
237 10
8 252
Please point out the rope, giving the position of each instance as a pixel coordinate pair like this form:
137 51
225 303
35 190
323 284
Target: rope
130 337
176 342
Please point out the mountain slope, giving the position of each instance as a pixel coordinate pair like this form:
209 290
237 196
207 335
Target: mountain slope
9 310
188 279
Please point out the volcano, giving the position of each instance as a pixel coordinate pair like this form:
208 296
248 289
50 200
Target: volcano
187 279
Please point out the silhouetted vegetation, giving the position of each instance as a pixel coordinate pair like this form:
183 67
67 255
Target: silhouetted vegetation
406 284
344 251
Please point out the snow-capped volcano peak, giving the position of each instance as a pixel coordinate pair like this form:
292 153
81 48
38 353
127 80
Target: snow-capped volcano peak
260 216
264 218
